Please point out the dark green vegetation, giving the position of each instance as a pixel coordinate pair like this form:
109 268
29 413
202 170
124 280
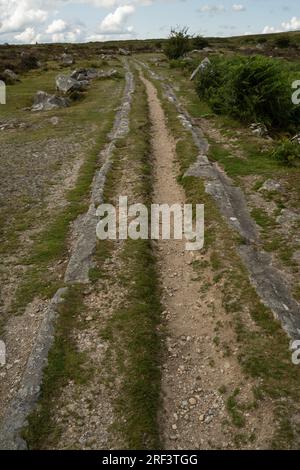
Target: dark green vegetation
288 152
254 89
178 43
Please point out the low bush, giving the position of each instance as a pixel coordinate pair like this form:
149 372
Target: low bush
288 153
283 42
178 43
29 62
250 89
199 42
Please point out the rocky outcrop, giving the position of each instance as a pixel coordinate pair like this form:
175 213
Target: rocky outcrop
45 102
259 129
202 66
67 84
67 59
10 76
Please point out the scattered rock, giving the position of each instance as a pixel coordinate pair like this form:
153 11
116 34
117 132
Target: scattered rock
67 59
54 120
108 74
208 419
84 74
67 84
296 139
296 256
271 185
12 124
123 51
259 129
106 56
202 66
11 76
45 102
288 217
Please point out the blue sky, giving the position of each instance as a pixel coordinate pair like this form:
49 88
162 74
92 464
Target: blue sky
28 21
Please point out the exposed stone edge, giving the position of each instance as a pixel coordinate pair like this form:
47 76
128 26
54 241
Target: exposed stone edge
77 271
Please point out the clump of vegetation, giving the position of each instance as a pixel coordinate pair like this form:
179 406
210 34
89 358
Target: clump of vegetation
283 42
199 42
288 153
29 62
250 89
178 43
261 40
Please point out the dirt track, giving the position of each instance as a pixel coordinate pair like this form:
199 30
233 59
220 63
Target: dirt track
193 410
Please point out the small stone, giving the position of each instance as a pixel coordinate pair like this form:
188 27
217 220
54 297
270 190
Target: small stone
192 401
54 120
174 426
271 185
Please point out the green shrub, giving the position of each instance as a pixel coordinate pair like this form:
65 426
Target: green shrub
199 42
249 89
288 153
261 40
29 62
283 41
178 43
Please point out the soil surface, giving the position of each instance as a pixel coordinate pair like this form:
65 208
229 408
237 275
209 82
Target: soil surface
193 409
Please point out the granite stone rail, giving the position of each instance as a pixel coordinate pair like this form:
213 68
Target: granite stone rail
269 282
23 403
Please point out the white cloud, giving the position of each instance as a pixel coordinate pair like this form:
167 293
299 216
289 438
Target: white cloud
68 36
28 36
292 25
57 26
270 29
212 9
115 23
15 15
238 7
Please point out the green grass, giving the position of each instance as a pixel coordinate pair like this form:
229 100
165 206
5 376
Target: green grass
255 161
133 333
232 407
132 330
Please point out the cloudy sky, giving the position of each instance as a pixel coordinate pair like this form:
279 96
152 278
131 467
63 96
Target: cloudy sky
30 21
